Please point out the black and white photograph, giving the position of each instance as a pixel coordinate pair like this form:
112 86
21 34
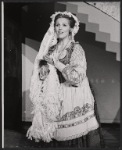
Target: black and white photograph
61 63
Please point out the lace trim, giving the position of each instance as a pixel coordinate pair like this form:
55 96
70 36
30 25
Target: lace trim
77 135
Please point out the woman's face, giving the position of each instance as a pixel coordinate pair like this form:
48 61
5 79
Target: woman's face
62 28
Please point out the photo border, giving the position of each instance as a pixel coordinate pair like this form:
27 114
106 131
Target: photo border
2 78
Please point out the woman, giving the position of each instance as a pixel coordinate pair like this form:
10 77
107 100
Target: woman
60 91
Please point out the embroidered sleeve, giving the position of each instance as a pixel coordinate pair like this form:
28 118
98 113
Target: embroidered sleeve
75 71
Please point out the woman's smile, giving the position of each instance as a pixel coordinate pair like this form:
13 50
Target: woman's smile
60 32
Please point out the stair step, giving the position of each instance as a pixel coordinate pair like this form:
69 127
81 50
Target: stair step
92 27
83 18
102 36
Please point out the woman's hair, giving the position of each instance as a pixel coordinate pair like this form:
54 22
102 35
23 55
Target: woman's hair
71 19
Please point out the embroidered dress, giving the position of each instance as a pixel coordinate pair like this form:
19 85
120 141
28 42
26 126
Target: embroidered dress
77 116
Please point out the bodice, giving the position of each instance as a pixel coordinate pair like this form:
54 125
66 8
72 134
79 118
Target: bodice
65 60
69 50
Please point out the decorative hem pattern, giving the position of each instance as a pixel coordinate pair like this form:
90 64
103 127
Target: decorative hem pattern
77 135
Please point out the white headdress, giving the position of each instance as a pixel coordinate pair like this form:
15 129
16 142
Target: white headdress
76 26
47 103
69 14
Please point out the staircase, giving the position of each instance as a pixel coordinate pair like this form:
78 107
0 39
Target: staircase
106 29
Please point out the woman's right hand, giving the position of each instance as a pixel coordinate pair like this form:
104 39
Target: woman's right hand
43 72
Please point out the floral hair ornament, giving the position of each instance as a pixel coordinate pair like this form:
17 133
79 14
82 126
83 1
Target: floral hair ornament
76 26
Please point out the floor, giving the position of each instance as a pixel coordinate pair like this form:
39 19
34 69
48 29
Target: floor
17 139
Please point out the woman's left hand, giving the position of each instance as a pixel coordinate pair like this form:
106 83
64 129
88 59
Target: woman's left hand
48 59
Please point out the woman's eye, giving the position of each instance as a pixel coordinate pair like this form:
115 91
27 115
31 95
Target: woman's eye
60 25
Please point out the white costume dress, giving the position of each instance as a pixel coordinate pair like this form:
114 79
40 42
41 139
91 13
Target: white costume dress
63 104
77 116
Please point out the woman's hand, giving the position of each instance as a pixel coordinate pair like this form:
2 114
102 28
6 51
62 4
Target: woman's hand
48 59
43 72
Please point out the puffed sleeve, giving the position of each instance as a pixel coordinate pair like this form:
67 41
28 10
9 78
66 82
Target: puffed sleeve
75 71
